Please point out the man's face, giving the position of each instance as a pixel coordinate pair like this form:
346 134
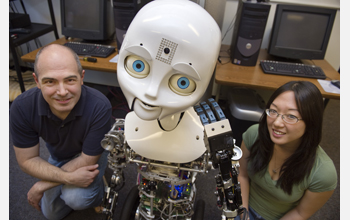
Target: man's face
59 80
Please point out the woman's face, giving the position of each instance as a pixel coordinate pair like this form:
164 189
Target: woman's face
282 133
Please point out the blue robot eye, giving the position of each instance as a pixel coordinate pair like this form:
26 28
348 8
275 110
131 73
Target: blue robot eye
183 83
138 66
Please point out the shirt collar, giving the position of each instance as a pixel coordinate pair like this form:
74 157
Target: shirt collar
79 107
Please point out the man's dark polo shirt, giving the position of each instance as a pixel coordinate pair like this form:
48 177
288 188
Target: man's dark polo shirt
81 131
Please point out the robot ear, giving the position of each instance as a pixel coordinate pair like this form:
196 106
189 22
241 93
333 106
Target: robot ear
140 51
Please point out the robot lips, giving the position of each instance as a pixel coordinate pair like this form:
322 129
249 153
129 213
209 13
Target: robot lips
145 111
148 140
147 106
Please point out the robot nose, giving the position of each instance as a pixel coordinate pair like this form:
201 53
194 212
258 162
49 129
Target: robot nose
152 90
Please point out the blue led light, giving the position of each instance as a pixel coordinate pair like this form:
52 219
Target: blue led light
179 188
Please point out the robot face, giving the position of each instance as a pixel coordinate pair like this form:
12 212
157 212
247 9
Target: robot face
167 58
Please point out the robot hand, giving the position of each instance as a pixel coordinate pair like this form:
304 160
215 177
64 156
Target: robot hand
224 155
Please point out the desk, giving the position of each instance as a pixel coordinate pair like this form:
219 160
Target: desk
227 74
253 77
102 64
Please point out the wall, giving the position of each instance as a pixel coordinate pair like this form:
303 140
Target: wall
39 12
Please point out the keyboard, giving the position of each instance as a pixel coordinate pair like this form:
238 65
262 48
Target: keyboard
292 69
95 50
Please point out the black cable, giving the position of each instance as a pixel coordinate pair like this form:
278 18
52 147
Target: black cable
28 47
228 53
313 63
219 59
36 43
234 19
40 45
231 25
245 216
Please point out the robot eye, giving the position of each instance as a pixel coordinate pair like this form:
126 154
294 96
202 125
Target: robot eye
136 66
182 85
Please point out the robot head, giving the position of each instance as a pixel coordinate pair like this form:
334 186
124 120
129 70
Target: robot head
167 57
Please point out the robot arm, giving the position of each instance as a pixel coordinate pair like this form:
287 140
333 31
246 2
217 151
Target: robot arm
224 155
114 143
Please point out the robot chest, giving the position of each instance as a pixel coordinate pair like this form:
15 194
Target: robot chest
183 144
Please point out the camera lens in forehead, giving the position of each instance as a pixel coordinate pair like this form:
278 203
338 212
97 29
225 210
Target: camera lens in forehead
166 50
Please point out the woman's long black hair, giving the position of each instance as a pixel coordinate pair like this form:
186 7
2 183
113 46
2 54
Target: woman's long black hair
298 166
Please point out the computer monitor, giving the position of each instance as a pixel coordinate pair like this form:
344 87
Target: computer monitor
301 32
90 20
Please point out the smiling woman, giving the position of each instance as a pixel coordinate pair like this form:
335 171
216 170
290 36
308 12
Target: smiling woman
284 171
285 135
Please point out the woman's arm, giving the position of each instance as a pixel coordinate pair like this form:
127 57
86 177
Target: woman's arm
243 177
309 204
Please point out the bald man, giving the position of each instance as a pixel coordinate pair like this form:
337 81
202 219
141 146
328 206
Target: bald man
72 119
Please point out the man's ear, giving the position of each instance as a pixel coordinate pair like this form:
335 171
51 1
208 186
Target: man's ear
82 77
36 80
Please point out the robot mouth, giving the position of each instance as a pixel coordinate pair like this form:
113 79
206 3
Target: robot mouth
146 106
151 106
146 111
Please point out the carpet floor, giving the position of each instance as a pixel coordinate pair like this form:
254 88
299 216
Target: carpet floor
20 183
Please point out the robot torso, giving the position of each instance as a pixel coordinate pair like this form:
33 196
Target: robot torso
183 144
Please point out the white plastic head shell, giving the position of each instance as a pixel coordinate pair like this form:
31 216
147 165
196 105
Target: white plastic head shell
167 57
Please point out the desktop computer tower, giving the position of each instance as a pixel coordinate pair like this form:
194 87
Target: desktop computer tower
124 12
249 28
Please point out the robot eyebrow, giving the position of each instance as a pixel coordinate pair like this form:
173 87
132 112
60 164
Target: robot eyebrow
188 69
140 51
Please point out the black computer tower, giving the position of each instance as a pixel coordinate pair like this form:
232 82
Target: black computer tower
124 12
248 33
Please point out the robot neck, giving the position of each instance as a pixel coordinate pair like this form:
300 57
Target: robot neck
170 122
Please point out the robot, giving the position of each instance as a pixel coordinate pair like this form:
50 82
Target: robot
165 64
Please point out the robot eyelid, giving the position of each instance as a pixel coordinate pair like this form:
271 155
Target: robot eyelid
140 51
187 69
